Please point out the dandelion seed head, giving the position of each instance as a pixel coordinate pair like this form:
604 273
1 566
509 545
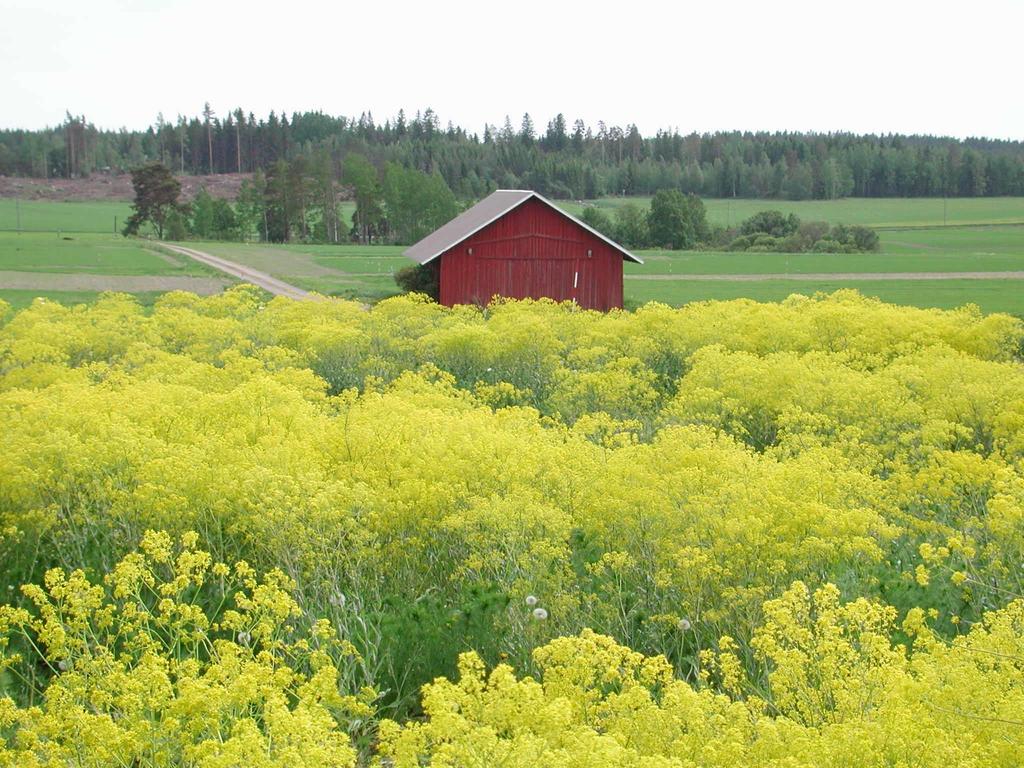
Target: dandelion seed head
531 600
540 614
684 624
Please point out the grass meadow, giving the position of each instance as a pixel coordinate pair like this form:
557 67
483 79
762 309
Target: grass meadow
76 268
982 236
99 216
104 217
989 295
89 253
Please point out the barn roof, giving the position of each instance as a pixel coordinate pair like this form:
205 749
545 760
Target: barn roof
491 208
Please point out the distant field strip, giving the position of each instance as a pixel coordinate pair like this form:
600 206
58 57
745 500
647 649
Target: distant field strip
69 281
100 217
818 276
107 216
946 227
877 212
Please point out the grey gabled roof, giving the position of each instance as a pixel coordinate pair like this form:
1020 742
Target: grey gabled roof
491 208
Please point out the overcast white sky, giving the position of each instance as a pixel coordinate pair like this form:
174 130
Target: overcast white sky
897 66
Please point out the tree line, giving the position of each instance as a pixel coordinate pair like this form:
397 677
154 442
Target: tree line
561 160
298 200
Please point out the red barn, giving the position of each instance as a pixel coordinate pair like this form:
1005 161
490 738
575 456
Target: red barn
516 244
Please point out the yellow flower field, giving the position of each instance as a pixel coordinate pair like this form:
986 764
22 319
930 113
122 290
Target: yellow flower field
238 532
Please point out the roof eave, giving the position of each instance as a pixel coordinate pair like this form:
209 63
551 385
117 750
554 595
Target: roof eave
469 234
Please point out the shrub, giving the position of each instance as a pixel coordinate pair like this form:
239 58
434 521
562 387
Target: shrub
807 234
597 219
419 278
760 243
770 231
631 226
177 226
865 238
773 223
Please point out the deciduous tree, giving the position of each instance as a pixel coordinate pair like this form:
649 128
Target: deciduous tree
676 220
157 194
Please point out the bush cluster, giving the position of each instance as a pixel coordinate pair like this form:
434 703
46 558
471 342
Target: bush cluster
773 232
679 222
419 278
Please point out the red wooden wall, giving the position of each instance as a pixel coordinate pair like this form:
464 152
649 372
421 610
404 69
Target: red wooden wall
533 252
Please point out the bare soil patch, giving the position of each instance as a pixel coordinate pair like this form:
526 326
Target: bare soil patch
49 281
113 187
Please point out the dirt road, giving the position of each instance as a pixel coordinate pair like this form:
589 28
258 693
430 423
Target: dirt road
242 272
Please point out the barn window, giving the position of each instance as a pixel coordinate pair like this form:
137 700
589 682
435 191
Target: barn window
469 251
589 253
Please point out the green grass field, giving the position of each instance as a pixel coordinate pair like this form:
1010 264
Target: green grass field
89 254
78 217
365 272
989 295
351 271
876 212
76 268
49 216
975 244
982 249
19 299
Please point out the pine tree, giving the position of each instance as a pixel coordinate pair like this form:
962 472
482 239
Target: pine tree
207 115
526 130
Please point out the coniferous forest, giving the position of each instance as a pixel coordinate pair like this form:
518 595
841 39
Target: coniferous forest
559 159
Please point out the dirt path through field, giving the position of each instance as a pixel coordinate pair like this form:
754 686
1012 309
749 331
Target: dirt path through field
65 281
174 261
248 274
827 276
